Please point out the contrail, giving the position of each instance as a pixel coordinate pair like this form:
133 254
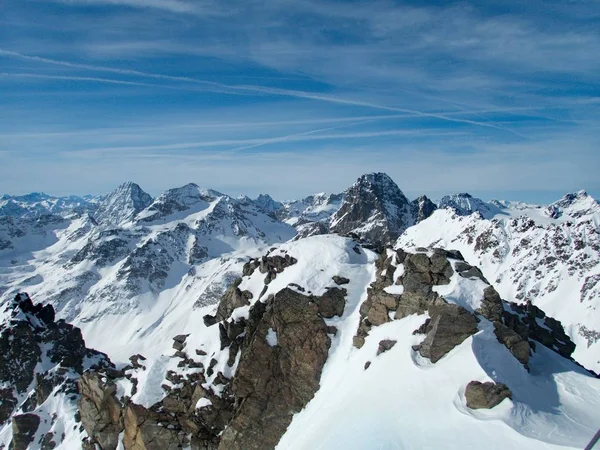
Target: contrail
257 89
106 80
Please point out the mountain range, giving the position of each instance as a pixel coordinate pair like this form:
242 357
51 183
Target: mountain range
351 320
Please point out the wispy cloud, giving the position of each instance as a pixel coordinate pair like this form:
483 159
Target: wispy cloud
346 86
261 89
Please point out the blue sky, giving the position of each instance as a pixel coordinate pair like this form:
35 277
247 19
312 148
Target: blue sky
500 99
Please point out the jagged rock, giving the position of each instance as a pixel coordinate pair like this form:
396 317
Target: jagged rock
331 303
24 427
518 346
200 352
415 303
211 367
340 280
449 326
400 256
232 299
468 271
181 338
135 361
422 208
224 338
179 346
209 320
144 430
385 345
367 365
19 354
273 383
375 209
7 404
450 254
422 272
250 267
491 305
101 412
551 333
485 395
48 442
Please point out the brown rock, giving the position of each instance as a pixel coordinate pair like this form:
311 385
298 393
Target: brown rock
273 383
24 427
485 395
385 345
449 326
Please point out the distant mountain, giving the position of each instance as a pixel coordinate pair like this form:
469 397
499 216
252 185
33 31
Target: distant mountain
314 208
465 204
37 204
122 205
251 323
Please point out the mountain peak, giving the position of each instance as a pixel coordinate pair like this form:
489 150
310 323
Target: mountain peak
179 199
122 204
374 208
266 202
465 204
574 205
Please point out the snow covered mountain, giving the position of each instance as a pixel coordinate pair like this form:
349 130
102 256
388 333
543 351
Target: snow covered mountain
122 205
548 256
376 210
465 204
187 241
38 204
305 350
234 323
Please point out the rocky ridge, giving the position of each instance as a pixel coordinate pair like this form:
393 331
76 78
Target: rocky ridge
41 360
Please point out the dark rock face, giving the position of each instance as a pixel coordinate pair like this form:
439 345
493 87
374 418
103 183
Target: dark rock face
385 345
517 345
24 427
448 326
525 320
340 280
19 354
467 271
375 209
420 273
101 412
491 306
232 299
422 208
270 265
30 334
272 383
485 395
331 303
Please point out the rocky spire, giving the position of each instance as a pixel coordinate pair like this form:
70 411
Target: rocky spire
375 209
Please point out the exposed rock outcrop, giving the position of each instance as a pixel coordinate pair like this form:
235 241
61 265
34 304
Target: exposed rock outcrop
272 383
24 427
100 410
375 209
448 326
485 395
29 336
